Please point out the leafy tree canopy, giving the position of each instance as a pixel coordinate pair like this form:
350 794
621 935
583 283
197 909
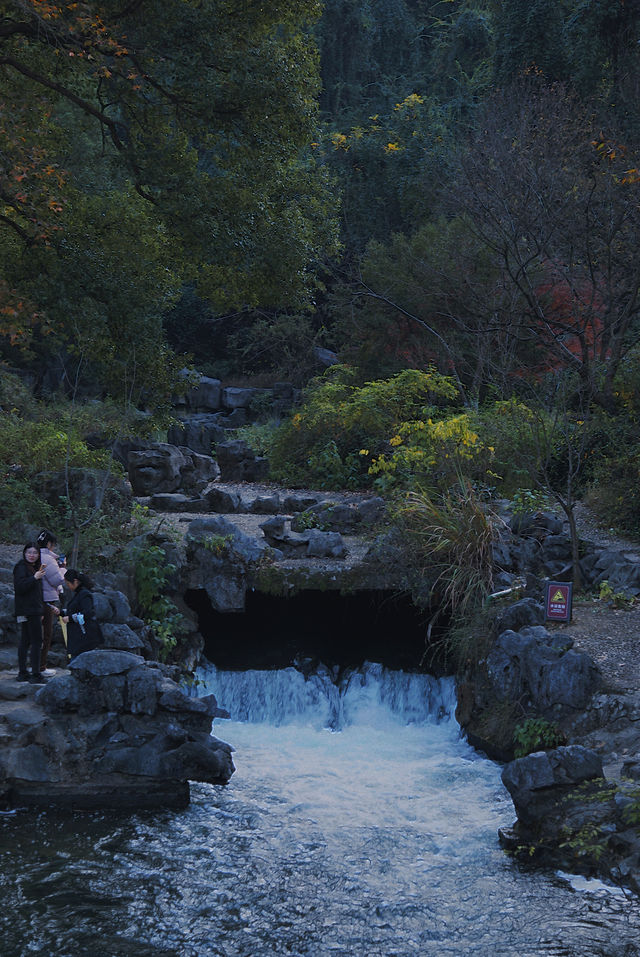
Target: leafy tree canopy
149 142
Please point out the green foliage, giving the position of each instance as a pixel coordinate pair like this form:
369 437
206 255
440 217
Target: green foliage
591 45
530 33
331 440
330 469
612 458
614 492
152 572
21 505
171 145
527 500
617 599
590 842
259 436
631 811
282 346
306 520
398 80
218 545
521 438
52 441
537 734
49 439
45 446
15 396
435 296
427 451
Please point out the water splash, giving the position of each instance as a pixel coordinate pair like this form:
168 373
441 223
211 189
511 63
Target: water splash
324 699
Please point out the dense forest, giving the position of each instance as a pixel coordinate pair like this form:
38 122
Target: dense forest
445 196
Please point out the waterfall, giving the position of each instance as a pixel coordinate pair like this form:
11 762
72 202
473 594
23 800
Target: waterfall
330 699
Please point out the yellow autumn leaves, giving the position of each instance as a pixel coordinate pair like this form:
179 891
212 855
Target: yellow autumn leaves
425 446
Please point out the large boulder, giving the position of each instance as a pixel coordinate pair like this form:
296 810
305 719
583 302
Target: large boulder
113 731
218 555
621 570
221 500
239 463
537 781
121 637
169 468
542 670
205 395
200 433
525 612
234 397
571 817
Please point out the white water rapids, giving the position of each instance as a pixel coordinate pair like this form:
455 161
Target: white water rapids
375 840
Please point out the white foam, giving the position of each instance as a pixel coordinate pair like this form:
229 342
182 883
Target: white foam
590 885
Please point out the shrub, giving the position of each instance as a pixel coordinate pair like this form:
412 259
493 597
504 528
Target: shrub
15 395
21 506
519 438
282 345
527 500
433 452
44 446
342 425
259 436
537 734
159 612
614 494
38 440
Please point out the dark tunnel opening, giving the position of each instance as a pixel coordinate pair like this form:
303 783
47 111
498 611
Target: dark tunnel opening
336 629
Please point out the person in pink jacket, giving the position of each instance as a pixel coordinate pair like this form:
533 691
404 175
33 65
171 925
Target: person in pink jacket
54 567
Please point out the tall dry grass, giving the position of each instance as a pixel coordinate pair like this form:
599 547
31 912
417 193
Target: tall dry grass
450 537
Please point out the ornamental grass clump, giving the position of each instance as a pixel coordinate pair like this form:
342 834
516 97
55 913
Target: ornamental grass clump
451 538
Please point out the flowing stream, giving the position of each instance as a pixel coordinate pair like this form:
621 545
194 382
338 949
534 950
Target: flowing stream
358 823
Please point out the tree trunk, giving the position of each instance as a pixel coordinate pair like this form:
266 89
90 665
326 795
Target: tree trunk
74 549
575 546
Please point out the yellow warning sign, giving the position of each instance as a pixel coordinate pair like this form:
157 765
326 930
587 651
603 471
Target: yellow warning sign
559 596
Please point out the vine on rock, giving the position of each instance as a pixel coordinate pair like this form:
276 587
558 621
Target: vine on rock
151 575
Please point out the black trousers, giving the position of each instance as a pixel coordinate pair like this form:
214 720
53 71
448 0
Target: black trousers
30 641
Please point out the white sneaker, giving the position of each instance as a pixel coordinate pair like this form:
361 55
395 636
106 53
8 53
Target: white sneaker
48 673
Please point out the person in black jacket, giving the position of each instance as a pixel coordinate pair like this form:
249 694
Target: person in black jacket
83 630
29 609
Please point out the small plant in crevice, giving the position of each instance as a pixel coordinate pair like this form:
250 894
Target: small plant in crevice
218 545
590 842
537 734
617 599
306 520
152 572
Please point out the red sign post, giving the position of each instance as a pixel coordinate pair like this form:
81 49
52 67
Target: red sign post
557 601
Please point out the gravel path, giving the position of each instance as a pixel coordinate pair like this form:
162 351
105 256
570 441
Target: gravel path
610 635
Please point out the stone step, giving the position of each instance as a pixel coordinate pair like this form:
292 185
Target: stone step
13 690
